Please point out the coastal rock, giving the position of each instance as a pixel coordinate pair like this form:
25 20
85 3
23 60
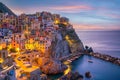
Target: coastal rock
43 77
50 66
61 49
88 75
74 42
72 76
67 42
105 57
88 49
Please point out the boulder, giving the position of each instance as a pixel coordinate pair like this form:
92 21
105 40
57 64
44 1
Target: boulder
88 75
43 77
72 76
51 66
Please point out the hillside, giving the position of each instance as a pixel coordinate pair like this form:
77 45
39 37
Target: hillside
5 9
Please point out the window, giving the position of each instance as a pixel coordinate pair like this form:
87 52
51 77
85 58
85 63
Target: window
4 55
0 55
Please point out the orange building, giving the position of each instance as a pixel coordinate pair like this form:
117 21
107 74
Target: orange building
15 44
2 45
17 41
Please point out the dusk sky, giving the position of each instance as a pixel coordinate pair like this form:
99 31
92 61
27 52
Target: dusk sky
83 14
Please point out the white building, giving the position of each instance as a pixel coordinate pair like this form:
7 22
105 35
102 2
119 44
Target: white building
35 25
45 43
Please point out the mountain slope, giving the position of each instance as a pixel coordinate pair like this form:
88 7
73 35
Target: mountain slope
5 9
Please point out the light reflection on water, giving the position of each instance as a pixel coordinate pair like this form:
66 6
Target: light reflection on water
68 69
55 77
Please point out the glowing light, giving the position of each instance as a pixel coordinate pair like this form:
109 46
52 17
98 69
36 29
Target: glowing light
65 23
68 39
56 21
17 49
35 45
9 55
29 46
26 32
0 47
68 69
9 47
1 60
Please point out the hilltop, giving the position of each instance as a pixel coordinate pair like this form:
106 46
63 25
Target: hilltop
5 9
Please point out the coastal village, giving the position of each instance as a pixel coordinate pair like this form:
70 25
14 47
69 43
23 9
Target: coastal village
30 32
26 37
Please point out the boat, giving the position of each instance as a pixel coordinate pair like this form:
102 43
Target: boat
90 61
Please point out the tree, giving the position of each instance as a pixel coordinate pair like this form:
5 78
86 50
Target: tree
13 50
86 47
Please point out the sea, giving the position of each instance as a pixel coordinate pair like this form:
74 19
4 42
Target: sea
104 42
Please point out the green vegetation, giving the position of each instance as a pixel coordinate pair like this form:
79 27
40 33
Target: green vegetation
62 25
13 50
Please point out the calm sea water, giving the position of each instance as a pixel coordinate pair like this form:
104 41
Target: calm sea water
106 42
100 70
103 42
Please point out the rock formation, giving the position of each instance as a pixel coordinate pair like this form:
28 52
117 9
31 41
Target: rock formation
50 66
72 76
67 42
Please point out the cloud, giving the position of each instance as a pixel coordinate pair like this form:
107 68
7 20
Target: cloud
91 27
108 12
17 10
112 15
73 8
62 9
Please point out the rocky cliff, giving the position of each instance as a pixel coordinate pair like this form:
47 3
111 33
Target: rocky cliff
67 42
51 66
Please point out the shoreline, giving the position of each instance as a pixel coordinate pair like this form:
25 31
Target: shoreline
105 57
72 57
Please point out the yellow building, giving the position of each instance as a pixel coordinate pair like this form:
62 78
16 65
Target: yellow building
29 44
2 45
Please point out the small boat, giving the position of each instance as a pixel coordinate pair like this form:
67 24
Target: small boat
90 61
